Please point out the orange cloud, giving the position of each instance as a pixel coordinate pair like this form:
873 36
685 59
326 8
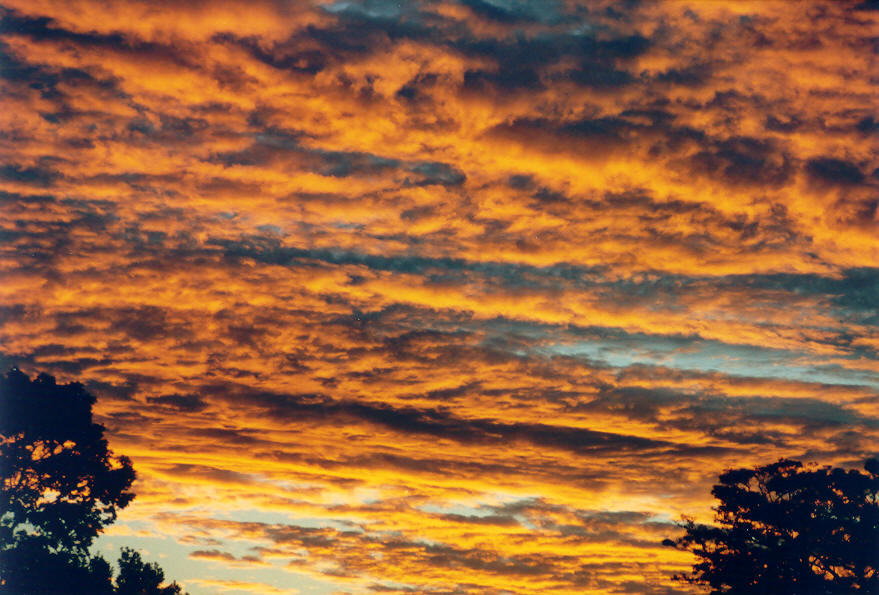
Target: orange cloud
443 296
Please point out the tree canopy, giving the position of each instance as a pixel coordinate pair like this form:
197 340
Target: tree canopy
137 577
787 528
58 474
61 485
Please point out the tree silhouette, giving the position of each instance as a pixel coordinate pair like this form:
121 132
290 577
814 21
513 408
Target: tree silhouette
61 486
28 566
783 528
136 577
58 475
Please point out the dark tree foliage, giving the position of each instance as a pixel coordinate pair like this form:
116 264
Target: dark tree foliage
58 475
29 567
137 577
61 486
784 528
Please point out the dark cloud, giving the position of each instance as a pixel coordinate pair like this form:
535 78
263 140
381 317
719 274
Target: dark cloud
274 147
36 176
693 75
721 415
47 29
211 473
598 76
491 519
597 137
744 160
124 391
270 250
431 173
783 124
834 171
183 403
516 12
292 55
867 125
235 436
852 293
213 555
443 424
223 557
521 61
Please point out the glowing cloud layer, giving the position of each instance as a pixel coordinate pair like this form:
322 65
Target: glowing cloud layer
443 297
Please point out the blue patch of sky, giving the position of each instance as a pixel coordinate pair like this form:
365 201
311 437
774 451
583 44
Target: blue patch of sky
174 559
460 509
374 9
709 356
853 297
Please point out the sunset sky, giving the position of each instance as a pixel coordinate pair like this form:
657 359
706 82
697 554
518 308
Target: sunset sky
450 297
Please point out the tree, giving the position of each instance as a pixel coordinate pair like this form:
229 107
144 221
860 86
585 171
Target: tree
58 475
785 528
136 577
28 566
61 486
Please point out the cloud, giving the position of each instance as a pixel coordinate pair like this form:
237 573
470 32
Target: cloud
182 403
447 296
443 425
834 171
225 586
225 558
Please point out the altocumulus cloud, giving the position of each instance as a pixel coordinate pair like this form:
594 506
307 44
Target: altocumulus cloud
471 297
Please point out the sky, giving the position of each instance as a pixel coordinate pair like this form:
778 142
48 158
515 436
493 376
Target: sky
443 297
